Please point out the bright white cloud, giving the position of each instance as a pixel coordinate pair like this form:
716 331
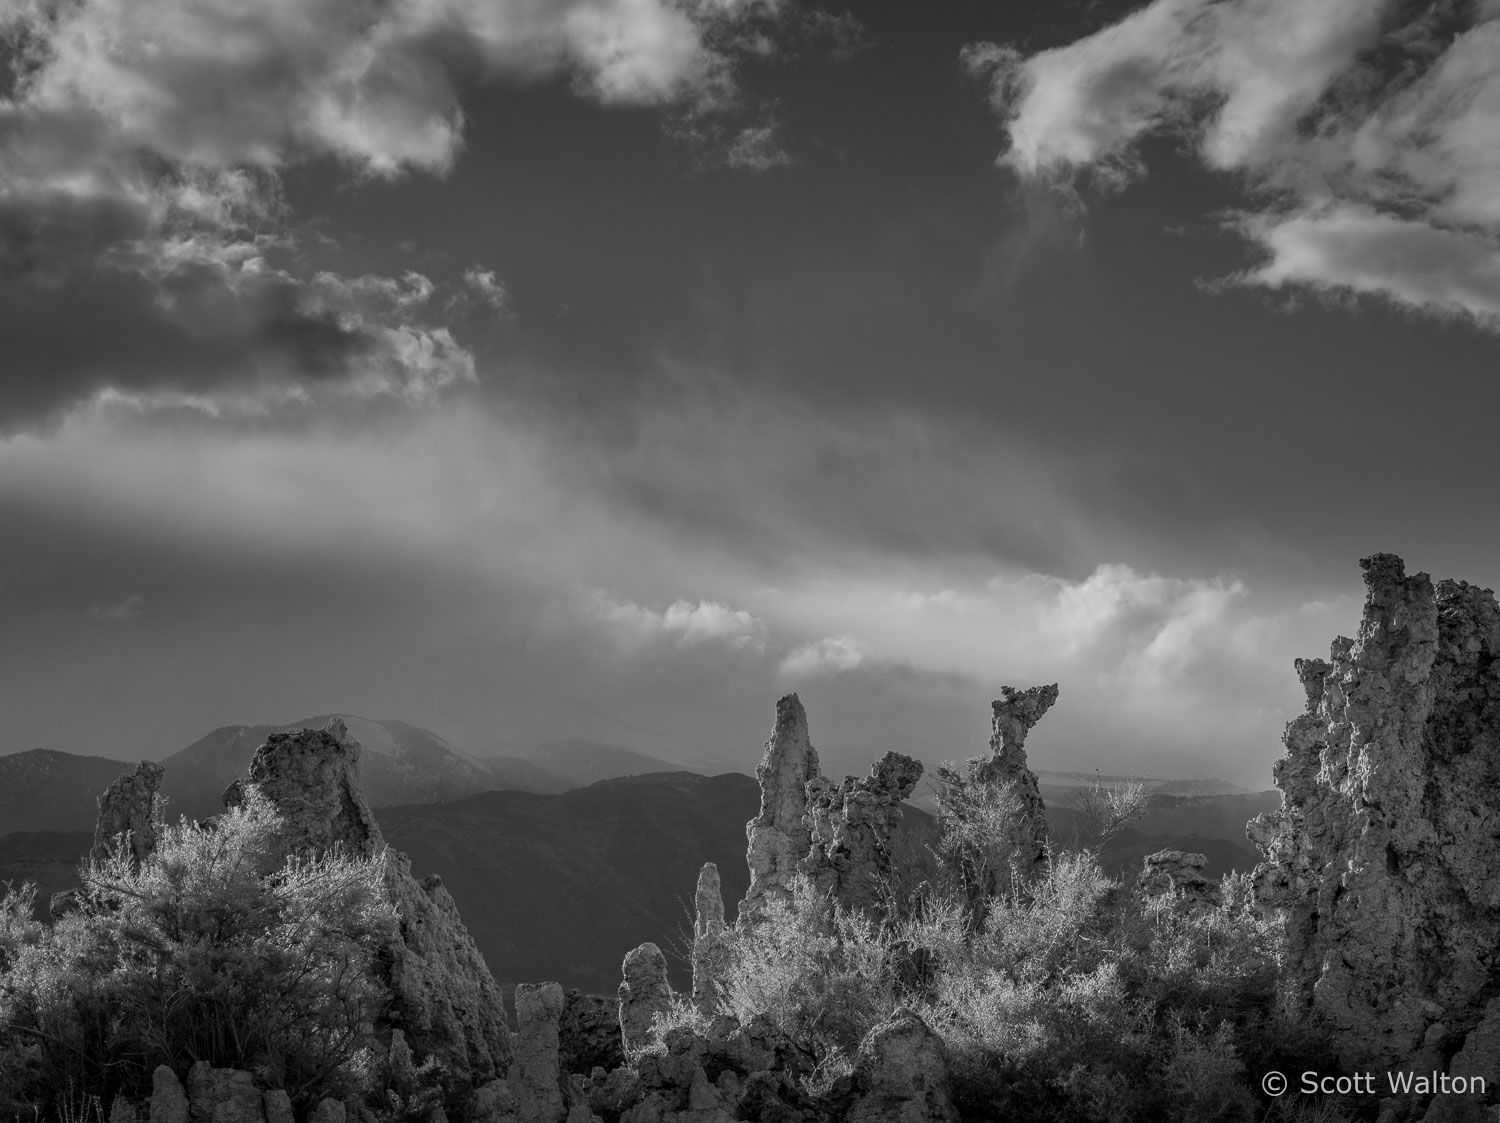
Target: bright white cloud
1379 178
1356 249
682 623
831 655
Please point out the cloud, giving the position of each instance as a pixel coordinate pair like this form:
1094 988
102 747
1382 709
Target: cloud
142 155
482 283
831 655
131 608
682 623
1367 133
756 149
733 548
1358 250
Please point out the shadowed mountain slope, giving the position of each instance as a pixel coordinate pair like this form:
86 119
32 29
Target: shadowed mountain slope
560 887
44 790
581 763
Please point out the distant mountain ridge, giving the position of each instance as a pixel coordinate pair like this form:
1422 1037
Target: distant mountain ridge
402 763
582 762
42 789
46 790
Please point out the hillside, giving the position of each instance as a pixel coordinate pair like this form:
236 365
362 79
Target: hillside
553 886
44 790
581 763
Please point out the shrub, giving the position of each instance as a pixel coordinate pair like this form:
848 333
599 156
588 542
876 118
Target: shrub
821 972
210 950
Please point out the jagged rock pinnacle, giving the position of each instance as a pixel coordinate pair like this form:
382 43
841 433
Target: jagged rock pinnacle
779 835
1385 852
850 827
708 938
127 808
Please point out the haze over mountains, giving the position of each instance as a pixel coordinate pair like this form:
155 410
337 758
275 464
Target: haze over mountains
41 789
560 851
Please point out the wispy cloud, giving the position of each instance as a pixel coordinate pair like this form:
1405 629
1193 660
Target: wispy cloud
482 283
131 608
1366 132
682 623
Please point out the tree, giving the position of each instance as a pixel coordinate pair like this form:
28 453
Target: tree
1109 809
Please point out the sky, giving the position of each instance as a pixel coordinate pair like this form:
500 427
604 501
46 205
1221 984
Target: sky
608 368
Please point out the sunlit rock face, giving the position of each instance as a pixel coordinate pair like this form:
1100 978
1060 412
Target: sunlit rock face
1013 716
779 836
126 808
644 993
849 831
710 950
312 778
444 998
1384 856
1178 874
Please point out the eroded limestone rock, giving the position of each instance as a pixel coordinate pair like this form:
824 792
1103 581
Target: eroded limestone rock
1014 714
999 794
312 778
277 1104
169 1103
445 1000
1385 853
222 1095
850 826
328 1111
589 1033
901 1074
127 808
1175 872
644 993
709 948
534 1076
779 835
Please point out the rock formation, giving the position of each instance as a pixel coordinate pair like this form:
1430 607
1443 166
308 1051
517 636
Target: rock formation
312 779
732 1072
534 1076
589 1033
644 993
128 808
850 825
1385 853
169 1103
1174 872
779 836
444 998
223 1095
1014 714
709 948
901 1074
1000 796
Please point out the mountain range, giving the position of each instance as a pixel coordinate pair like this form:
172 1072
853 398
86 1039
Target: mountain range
593 848
41 789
